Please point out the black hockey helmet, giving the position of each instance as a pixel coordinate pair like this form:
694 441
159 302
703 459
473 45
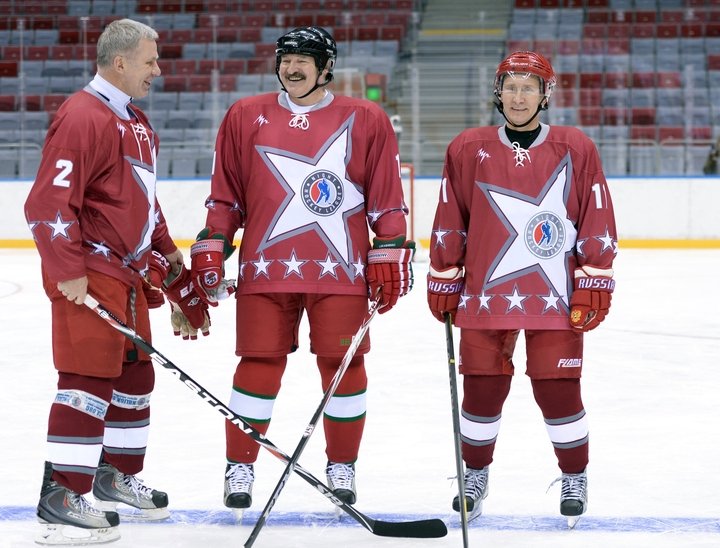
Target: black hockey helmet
314 41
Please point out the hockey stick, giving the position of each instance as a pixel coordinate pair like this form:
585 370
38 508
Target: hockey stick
456 428
428 528
310 428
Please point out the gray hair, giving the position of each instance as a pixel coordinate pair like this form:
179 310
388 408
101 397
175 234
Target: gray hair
119 37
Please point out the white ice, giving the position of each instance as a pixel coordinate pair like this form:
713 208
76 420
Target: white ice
650 387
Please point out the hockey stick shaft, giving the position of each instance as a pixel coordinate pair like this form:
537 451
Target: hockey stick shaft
455 404
429 528
310 428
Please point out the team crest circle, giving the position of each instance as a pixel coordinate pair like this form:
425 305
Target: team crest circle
322 193
545 235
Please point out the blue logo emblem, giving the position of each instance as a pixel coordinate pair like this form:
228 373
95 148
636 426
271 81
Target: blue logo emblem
545 235
322 193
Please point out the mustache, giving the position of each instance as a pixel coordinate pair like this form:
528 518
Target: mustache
295 75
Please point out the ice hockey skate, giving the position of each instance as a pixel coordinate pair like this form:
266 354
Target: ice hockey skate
476 489
239 480
68 519
112 487
341 480
573 496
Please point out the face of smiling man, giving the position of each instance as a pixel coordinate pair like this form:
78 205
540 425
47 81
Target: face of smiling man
298 74
521 98
136 69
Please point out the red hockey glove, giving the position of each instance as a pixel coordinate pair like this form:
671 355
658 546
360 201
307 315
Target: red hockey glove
189 311
590 301
207 256
158 269
389 270
443 291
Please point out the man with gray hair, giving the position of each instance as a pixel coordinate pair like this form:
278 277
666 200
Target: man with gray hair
100 230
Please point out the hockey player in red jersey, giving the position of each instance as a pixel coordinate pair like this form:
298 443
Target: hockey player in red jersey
304 173
95 220
523 239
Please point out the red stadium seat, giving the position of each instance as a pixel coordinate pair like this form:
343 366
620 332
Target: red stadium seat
644 133
619 30
368 33
667 30
589 80
52 102
692 30
589 116
7 103
33 103
392 32
643 31
643 80
643 116
669 80
257 65
613 116
175 83
672 16
567 80
170 51
567 47
598 16
671 133
199 82
250 34
185 66
8 69
234 66
617 46
644 17
226 82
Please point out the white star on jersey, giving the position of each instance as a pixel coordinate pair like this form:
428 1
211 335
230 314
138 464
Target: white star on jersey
59 227
328 267
293 217
292 265
516 211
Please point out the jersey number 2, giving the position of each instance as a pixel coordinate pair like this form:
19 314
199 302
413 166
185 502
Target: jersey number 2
65 167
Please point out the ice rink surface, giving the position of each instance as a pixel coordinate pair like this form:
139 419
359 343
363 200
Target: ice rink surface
650 387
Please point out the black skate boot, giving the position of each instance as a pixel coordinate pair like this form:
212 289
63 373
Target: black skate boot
69 519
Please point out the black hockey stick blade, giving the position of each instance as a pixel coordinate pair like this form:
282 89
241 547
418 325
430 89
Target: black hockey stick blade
424 528
430 528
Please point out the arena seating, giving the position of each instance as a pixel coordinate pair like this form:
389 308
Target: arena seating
47 51
635 77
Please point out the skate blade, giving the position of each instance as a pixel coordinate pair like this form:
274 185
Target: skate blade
54 534
238 514
572 521
132 514
473 514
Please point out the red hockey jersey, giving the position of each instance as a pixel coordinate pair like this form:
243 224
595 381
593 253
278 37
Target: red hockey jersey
519 222
305 188
93 204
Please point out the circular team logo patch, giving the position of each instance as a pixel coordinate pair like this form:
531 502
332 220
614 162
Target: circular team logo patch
322 193
545 235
